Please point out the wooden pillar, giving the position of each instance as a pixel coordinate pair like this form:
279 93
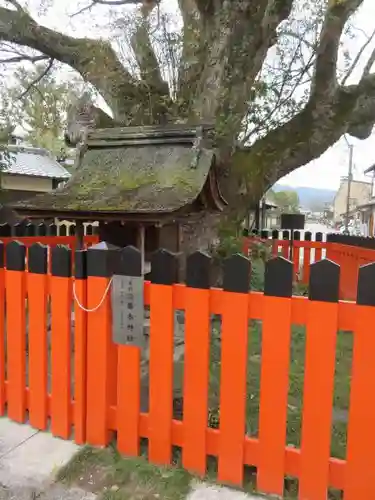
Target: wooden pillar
79 235
263 217
141 244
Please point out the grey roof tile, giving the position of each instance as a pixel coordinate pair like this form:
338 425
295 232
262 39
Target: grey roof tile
36 162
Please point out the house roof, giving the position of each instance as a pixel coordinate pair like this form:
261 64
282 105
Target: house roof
36 162
136 170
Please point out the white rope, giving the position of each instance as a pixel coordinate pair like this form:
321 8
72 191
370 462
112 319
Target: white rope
101 300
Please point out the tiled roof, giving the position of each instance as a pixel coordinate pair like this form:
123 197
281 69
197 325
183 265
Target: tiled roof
36 162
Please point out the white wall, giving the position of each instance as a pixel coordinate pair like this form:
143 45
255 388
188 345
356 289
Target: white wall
26 183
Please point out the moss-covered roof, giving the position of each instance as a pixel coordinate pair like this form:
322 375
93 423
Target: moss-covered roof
135 170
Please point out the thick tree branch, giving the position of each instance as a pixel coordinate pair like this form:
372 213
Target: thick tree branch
369 64
95 60
309 134
244 32
145 54
276 12
195 47
337 15
363 116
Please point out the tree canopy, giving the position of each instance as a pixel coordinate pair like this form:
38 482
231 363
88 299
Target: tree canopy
287 201
37 102
279 79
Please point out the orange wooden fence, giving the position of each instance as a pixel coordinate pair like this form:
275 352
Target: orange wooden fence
306 252
105 395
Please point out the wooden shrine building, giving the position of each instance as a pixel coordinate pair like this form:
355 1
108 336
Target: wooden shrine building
140 183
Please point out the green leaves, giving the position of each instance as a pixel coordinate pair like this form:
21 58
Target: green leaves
40 108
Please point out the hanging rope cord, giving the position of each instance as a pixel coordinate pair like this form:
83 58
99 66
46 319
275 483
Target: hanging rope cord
93 309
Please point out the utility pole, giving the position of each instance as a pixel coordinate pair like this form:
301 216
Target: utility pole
350 178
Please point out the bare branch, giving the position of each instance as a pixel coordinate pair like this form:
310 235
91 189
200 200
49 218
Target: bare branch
357 59
21 58
147 4
36 80
95 60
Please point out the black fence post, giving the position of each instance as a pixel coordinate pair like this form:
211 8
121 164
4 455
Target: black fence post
278 278
324 284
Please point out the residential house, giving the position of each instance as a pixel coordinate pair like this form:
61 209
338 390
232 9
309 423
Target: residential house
360 193
26 171
366 211
265 215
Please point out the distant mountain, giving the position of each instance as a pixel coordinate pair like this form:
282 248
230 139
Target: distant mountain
311 198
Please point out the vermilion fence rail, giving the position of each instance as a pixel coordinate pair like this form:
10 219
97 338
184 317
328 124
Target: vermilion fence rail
105 393
51 242
306 252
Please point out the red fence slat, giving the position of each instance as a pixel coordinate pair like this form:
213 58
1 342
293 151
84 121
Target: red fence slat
80 361
274 394
37 286
359 481
196 375
317 399
234 339
161 373
98 359
128 399
61 303
2 341
15 283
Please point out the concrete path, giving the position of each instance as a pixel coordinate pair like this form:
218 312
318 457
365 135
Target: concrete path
202 491
29 460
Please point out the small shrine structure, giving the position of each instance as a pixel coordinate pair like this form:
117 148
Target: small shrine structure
140 183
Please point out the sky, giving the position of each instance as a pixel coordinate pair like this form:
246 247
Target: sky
324 172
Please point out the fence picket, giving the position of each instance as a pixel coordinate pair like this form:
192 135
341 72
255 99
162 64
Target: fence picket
15 284
37 290
306 259
361 433
319 379
234 340
285 249
80 347
99 386
274 375
318 251
196 358
61 304
129 367
163 274
2 331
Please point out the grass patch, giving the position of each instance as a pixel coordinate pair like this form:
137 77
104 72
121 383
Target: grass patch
113 477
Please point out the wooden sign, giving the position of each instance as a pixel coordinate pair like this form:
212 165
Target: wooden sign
128 310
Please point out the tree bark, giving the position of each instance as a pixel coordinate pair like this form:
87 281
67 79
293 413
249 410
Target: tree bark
225 43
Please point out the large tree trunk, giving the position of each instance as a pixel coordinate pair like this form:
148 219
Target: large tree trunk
224 47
